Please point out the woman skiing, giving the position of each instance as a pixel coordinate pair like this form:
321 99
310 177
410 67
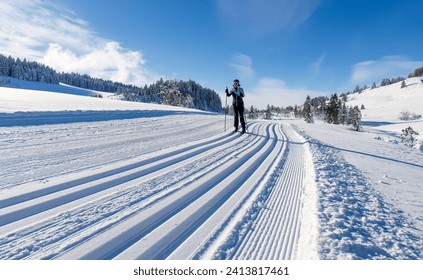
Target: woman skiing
238 104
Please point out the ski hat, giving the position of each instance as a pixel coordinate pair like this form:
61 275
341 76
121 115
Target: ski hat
237 81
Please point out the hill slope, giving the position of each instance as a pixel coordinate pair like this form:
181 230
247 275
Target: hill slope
385 104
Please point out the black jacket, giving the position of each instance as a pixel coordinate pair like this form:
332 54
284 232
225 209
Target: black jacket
237 96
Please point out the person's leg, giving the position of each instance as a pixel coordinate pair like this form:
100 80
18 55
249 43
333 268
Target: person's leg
241 116
236 117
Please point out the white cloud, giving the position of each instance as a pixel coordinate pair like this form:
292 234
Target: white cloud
33 25
315 69
243 65
316 65
370 71
42 31
109 61
276 92
258 18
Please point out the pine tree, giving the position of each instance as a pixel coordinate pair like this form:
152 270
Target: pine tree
355 118
408 136
403 85
333 109
385 82
319 105
343 114
253 113
307 111
416 73
357 89
268 113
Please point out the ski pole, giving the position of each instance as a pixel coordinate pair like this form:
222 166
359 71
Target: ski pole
245 118
226 107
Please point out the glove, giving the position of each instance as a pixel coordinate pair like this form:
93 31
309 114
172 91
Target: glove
227 92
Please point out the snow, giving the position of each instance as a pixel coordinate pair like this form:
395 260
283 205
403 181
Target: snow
96 178
370 185
52 99
10 82
383 105
362 217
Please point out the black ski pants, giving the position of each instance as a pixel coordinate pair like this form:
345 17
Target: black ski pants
239 115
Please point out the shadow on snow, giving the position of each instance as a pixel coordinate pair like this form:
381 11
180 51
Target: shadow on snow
65 117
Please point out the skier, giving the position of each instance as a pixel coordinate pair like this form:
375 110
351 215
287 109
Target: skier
238 104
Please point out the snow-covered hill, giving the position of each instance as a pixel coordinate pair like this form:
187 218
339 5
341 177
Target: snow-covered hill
35 103
91 178
383 105
10 82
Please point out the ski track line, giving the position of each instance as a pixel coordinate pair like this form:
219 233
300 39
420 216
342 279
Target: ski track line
49 196
275 231
226 138
122 236
117 215
217 180
67 155
200 239
161 242
133 135
31 191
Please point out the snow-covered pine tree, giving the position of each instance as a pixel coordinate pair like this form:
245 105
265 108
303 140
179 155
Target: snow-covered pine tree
403 84
355 118
343 97
416 73
357 89
332 109
408 136
268 113
308 110
319 105
385 82
253 113
343 114
174 93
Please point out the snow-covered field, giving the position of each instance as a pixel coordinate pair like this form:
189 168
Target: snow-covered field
92 178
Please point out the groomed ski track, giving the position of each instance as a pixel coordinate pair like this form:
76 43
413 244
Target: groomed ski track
228 196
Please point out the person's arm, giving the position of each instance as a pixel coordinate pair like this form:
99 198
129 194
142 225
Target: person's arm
232 92
227 92
241 92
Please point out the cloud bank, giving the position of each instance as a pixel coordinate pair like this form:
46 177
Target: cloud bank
42 31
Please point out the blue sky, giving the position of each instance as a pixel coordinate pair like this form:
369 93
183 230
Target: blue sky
280 50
